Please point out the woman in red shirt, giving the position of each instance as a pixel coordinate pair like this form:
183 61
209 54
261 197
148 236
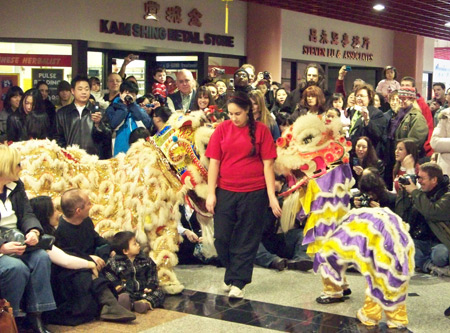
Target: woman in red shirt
241 184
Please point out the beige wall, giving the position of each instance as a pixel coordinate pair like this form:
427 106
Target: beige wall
75 19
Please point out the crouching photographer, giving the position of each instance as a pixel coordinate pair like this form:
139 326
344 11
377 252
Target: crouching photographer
373 191
125 115
427 210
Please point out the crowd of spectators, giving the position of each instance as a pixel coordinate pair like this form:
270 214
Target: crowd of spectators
400 160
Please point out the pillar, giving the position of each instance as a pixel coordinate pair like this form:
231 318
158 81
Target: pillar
263 46
408 56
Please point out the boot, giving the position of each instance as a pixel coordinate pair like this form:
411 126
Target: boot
112 310
36 323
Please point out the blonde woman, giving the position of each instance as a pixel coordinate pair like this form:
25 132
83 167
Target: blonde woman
262 114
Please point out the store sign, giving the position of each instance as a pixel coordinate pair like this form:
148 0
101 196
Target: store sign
51 76
178 64
349 49
148 32
9 59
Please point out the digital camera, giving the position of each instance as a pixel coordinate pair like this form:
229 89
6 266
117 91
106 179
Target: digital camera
365 200
404 180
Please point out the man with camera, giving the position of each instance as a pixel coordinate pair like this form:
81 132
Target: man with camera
124 116
427 210
82 123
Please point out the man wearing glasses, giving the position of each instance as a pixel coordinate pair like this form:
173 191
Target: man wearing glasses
427 210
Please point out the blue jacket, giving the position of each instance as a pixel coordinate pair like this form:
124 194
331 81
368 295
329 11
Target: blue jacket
123 120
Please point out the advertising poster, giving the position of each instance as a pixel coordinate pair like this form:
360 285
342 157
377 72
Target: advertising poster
51 76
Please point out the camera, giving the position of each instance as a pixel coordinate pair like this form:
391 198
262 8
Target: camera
96 108
128 99
266 75
220 71
150 106
404 180
365 200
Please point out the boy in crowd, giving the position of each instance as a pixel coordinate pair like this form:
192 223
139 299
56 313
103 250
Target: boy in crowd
133 274
158 86
125 116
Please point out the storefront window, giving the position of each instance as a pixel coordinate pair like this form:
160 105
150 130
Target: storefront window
95 64
33 62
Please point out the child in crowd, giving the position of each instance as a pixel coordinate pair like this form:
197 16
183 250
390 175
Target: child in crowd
133 274
158 86
337 101
96 91
331 114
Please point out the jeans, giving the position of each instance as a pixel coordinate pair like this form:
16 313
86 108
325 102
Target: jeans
428 251
291 248
27 277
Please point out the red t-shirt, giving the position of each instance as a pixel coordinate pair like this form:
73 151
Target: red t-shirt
231 145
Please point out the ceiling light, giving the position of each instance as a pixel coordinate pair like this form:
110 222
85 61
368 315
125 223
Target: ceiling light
447 24
150 17
379 7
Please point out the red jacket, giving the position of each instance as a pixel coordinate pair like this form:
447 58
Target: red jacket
426 112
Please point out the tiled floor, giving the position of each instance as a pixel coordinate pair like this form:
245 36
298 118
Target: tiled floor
276 301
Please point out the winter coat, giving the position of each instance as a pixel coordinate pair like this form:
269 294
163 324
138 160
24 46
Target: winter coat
440 141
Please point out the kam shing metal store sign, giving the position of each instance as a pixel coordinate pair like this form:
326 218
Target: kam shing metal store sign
172 15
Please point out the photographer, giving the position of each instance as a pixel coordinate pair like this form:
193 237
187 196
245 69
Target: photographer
427 210
125 115
373 191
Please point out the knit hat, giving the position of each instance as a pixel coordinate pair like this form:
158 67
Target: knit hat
63 86
407 92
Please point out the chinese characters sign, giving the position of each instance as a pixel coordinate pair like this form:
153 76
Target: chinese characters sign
349 43
174 14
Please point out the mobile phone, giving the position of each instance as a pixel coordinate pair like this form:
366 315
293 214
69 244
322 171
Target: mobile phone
231 84
355 161
348 68
96 108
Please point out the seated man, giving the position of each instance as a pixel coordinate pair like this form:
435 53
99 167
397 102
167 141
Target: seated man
280 250
427 210
125 116
78 293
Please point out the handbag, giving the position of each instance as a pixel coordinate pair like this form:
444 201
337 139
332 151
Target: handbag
7 322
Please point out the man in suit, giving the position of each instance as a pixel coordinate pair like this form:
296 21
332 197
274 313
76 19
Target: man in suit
184 98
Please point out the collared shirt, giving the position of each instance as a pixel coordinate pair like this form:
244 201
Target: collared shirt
8 218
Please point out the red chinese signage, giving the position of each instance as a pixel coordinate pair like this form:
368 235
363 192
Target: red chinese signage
323 38
10 59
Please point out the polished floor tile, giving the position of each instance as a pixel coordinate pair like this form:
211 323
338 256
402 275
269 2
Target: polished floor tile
276 301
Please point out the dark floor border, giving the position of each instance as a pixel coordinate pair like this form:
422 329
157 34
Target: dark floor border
265 315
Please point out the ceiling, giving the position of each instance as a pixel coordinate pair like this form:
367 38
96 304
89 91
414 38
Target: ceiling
419 17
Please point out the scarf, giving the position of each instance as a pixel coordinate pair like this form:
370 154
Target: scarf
395 121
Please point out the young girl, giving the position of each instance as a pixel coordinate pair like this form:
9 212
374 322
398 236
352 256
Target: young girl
406 157
365 156
262 114
280 97
241 183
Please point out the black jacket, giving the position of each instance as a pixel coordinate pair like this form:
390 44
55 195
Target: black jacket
177 102
26 220
71 129
375 130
